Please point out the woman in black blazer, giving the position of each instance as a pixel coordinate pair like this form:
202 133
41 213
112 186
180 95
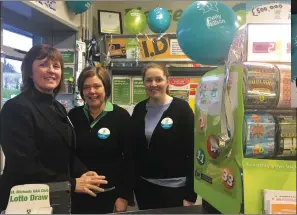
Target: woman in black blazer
104 143
164 145
36 136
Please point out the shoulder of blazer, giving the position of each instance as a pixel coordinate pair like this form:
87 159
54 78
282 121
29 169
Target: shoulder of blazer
180 103
140 106
74 111
20 101
61 107
118 110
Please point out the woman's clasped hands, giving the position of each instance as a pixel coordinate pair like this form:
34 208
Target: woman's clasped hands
89 183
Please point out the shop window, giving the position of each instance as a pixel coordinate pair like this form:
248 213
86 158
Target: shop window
12 78
17 39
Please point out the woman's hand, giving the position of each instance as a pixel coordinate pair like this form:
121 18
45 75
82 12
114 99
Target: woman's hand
187 203
120 205
90 173
88 184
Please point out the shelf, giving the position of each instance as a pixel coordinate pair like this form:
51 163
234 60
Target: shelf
174 71
169 60
273 111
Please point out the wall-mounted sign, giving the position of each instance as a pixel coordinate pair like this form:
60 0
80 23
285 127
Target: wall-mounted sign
267 12
145 48
267 45
49 4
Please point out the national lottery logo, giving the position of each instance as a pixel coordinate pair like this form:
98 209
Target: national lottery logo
103 133
166 123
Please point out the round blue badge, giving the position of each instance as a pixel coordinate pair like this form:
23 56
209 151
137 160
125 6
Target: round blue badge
166 123
103 133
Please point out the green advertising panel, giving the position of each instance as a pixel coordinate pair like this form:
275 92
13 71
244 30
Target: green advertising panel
218 174
262 174
139 93
121 90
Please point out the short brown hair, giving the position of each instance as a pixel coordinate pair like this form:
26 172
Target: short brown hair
40 52
157 66
91 71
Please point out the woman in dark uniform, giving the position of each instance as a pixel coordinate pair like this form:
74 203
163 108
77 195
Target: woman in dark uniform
164 145
36 136
104 143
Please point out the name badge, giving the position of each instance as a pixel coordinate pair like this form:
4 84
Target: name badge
167 123
103 133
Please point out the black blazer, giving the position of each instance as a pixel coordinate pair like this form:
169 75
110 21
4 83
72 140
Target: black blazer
170 153
37 141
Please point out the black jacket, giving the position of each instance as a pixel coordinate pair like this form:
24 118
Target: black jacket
111 157
37 141
170 153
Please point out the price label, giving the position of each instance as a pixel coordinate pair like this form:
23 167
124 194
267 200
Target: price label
200 156
228 178
264 47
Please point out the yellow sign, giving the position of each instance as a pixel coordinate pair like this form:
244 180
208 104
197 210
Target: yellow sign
146 48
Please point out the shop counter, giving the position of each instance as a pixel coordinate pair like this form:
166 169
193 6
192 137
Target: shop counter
196 209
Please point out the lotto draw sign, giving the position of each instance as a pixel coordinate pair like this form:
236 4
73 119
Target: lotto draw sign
28 195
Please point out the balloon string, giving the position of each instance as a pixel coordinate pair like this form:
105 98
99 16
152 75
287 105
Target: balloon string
137 51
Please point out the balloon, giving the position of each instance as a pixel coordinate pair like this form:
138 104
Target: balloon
78 7
241 17
135 21
206 30
239 6
159 20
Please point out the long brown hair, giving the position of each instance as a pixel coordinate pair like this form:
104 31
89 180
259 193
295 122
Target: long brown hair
157 66
40 52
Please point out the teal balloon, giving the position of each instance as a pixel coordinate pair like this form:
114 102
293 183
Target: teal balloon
78 7
206 30
159 20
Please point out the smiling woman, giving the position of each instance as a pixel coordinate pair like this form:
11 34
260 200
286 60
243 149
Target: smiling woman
36 136
43 68
104 143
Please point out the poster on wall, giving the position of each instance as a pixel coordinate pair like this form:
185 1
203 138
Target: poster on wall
179 87
184 88
121 90
68 55
138 89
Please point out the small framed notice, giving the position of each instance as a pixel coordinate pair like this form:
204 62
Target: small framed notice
110 22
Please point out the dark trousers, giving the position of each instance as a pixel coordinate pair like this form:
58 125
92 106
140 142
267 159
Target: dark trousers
152 196
86 204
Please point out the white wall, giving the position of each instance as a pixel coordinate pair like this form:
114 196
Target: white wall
62 13
176 6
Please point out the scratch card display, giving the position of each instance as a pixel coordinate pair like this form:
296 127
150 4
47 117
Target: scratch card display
285 86
287 138
260 136
261 85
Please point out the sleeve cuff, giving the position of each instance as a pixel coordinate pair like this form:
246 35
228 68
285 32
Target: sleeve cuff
191 197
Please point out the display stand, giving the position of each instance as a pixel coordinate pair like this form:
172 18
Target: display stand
255 172
130 53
